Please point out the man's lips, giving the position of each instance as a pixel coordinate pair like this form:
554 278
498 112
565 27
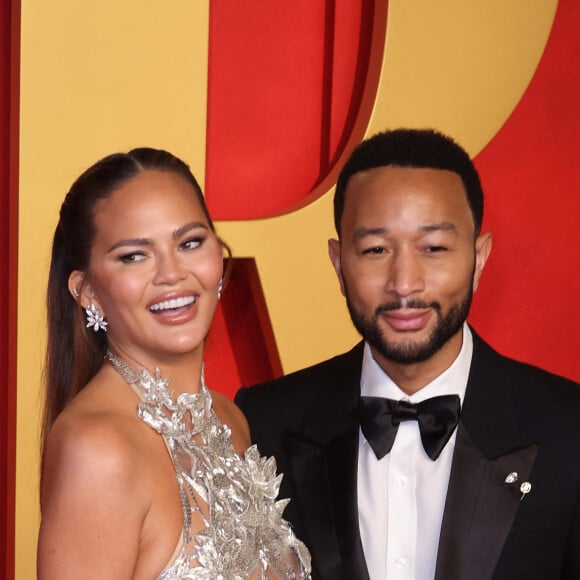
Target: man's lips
406 320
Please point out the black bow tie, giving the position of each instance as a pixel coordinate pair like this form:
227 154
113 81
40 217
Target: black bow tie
437 418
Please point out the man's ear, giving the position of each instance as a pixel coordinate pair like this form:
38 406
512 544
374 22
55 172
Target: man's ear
482 250
334 253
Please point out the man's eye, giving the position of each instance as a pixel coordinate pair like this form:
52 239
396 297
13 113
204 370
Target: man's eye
434 249
373 250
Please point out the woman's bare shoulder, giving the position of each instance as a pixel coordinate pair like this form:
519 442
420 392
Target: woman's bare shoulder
94 495
80 438
99 444
100 422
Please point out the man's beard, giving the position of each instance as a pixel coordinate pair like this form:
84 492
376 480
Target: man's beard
411 352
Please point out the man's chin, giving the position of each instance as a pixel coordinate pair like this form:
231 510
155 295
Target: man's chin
406 340
407 353
406 347
411 347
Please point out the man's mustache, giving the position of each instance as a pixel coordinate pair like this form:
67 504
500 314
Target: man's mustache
401 304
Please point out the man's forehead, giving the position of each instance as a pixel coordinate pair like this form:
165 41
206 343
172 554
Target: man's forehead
401 172
424 194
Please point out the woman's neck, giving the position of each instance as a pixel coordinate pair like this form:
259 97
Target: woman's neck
184 370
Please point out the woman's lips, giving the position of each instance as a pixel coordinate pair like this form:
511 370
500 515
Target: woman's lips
172 304
176 310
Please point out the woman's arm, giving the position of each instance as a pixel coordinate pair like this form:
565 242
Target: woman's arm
93 505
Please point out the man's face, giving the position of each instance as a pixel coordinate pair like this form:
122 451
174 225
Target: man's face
408 261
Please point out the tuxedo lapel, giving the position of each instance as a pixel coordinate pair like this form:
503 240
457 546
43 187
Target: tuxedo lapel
322 463
324 482
310 481
480 509
481 506
342 459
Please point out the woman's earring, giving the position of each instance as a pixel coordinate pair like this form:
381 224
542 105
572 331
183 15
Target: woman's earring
220 288
95 319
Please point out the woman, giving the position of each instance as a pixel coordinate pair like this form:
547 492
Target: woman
145 473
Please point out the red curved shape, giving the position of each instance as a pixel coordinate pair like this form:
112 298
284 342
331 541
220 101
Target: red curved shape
290 88
240 348
528 301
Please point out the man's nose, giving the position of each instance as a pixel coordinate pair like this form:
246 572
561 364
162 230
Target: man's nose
406 274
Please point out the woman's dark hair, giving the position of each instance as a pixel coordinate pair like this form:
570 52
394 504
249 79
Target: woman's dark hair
74 354
420 148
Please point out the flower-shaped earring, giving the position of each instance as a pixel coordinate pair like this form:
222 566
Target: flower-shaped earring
95 319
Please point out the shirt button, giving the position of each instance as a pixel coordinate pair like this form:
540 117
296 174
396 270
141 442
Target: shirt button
402 562
402 481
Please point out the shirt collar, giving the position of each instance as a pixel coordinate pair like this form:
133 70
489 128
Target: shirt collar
453 381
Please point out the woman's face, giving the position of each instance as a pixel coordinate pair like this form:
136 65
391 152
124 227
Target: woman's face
155 268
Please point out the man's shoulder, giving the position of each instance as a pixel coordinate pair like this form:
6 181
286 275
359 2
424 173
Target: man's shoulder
337 364
546 389
329 374
525 379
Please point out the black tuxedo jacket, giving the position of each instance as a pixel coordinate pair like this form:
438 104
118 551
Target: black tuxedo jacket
515 417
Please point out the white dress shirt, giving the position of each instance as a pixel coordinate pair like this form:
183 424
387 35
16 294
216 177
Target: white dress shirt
401 497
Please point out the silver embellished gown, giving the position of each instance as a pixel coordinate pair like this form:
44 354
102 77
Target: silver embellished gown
244 536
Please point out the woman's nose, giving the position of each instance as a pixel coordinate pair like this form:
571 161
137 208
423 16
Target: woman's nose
169 269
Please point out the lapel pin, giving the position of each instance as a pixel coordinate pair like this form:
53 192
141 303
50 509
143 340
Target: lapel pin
526 487
511 477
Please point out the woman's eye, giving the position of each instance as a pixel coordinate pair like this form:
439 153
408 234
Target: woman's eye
192 243
131 257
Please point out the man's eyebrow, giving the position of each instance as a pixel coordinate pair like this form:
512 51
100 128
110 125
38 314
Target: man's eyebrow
363 232
444 226
440 226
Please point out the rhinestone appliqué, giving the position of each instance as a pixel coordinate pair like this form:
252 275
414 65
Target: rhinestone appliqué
245 534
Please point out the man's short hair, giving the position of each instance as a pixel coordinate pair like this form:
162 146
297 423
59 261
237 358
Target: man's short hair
420 148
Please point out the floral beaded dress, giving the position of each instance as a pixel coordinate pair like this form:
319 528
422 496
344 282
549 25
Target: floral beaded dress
245 536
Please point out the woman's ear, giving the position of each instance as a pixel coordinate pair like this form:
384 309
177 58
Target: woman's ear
75 284
80 289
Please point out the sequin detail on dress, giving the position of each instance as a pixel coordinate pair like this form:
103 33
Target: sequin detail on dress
245 535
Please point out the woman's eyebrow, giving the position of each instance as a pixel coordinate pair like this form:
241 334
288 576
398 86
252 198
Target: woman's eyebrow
190 226
130 242
147 242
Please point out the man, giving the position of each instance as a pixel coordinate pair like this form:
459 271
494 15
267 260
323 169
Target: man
472 470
